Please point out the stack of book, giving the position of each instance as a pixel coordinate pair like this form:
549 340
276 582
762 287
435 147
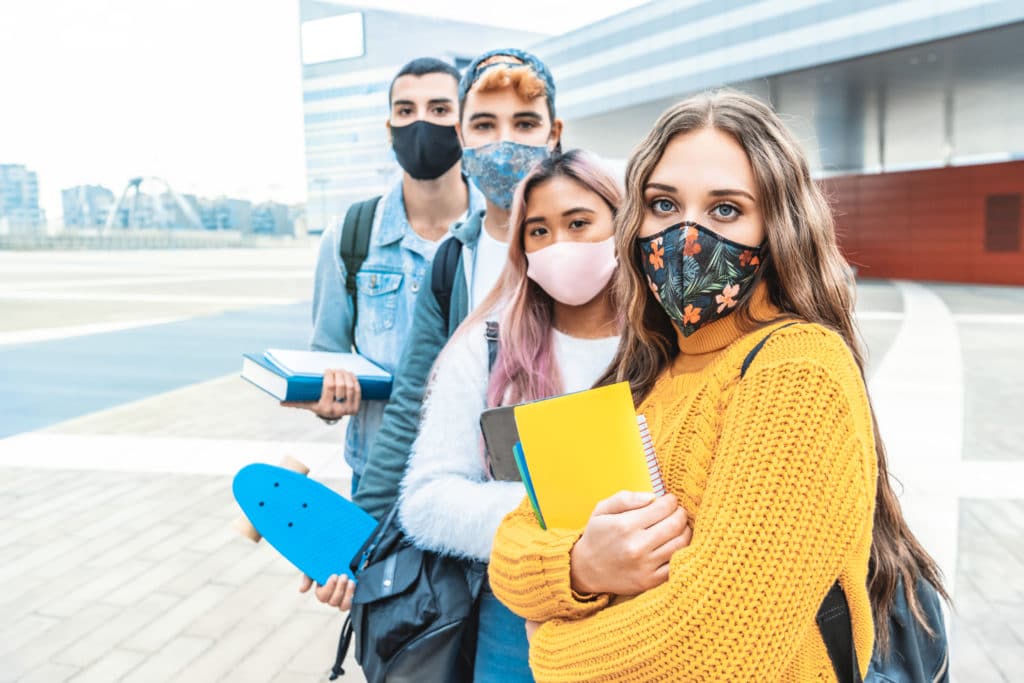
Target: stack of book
573 451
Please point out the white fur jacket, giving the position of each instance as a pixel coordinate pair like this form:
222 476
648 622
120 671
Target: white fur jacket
447 502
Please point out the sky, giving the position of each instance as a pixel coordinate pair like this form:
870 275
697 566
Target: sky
206 94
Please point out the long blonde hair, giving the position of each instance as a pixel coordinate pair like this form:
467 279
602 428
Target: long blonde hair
806 277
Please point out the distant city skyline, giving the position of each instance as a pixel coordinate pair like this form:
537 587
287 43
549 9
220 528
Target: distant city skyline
102 92
159 206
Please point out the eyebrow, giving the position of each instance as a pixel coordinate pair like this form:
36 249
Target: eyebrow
527 115
578 209
728 193
713 193
436 100
659 186
482 115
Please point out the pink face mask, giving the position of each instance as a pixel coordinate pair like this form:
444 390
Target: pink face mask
573 273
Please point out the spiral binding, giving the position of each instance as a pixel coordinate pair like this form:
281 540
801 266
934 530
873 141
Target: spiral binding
652 459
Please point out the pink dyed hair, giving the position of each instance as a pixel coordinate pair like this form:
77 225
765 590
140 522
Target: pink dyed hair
525 369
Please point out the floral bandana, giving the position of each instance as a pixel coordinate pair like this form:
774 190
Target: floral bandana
696 274
498 167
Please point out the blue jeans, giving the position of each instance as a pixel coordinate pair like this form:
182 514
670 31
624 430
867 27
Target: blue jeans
355 484
502 651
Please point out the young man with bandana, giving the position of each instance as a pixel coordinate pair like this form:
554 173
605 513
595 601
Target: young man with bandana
373 310
506 123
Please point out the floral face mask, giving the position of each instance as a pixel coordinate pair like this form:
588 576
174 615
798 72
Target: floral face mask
498 167
697 275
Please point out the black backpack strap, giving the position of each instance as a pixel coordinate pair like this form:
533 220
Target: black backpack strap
834 620
356 231
492 343
754 351
442 274
344 641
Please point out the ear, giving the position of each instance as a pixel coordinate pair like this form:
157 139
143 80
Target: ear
556 133
391 138
458 131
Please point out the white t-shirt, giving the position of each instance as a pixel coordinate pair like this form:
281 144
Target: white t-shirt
582 361
487 266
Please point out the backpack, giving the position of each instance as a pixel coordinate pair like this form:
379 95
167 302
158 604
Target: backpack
416 611
442 274
914 656
355 245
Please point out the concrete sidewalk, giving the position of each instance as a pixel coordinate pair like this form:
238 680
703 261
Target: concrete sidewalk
137 577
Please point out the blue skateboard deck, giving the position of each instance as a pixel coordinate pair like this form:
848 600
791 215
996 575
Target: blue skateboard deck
314 528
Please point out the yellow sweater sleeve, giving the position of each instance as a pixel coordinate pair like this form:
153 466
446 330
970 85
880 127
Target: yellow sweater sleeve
789 496
529 569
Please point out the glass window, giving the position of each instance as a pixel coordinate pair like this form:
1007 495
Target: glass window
333 38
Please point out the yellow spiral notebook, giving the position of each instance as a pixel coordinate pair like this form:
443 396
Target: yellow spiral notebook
582 448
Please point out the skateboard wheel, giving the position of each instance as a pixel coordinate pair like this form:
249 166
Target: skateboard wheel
244 527
295 465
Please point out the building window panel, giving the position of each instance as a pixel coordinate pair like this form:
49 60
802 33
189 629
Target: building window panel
347 91
333 38
1002 222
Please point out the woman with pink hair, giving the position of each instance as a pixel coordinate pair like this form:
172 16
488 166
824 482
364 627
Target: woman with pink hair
558 332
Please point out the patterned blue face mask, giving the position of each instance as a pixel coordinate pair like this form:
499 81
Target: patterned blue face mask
497 168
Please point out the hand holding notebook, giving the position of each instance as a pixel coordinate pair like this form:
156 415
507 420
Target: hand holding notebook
628 544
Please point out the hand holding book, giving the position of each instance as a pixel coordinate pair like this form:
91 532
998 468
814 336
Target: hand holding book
574 452
340 396
332 385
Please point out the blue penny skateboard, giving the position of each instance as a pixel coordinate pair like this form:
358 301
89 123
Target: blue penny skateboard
314 528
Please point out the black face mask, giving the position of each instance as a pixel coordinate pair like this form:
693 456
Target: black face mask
426 150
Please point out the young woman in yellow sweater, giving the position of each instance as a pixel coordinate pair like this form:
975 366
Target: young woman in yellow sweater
724 239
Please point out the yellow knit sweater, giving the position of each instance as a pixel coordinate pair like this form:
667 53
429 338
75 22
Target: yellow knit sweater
777 472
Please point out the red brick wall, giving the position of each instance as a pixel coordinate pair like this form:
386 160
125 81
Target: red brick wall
926 225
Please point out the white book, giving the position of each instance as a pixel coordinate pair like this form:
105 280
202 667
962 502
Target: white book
315 363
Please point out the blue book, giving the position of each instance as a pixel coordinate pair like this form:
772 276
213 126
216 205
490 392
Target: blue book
524 472
298 375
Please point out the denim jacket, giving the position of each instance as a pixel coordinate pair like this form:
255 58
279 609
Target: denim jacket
396 268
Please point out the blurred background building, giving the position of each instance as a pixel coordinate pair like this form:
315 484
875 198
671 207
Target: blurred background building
349 56
86 206
19 200
910 111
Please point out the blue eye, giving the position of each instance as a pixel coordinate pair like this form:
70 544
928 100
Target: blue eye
662 206
726 211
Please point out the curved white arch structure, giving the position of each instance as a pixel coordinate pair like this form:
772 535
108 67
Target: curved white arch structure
130 198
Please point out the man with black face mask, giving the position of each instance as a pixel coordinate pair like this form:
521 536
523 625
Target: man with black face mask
371 267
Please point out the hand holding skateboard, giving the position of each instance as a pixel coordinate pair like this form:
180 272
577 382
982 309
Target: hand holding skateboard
313 527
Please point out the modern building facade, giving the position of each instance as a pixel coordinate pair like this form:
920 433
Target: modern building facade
350 56
86 206
19 200
271 218
910 111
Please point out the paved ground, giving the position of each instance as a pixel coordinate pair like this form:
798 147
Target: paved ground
118 562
